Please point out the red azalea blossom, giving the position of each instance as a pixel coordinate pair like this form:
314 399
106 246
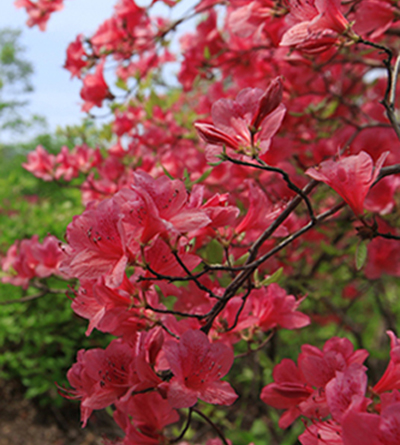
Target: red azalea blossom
41 164
316 24
75 57
350 177
28 259
39 12
391 378
272 307
95 89
252 119
198 366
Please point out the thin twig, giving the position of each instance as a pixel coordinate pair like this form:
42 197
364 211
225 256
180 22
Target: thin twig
391 83
387 236
189 273
263 166
264 342
244 299
235 284
172 312
33 297
210 422
23 299
392 97
183 432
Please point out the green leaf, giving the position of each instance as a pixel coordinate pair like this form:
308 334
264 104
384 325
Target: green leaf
204 176
186 178
214 252
274 278
215 164
361 254
121 84
167 173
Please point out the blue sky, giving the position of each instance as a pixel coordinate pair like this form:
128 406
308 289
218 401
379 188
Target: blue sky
56 96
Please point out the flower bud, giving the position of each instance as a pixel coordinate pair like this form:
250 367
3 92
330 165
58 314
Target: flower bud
269 101
214 136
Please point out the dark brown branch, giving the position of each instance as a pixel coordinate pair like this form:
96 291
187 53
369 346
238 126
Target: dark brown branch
244 299
233 287
263 166
259 347
183 432
178 313
388 101
189 273
213 425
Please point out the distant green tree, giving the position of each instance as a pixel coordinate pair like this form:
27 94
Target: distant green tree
15 83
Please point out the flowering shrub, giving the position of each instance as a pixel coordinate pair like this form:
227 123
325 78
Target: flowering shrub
203 202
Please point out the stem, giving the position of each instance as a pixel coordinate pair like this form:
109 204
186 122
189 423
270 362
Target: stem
214 426
183 432
235 284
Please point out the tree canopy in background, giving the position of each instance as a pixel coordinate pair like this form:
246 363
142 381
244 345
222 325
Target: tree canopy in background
15 83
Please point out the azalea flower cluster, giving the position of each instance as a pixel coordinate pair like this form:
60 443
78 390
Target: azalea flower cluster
66 165
333 383
28 259
39 11
209 196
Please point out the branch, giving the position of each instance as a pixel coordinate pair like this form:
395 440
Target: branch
33 297
249 267
388 100
172 312
244 298
210 422
263 166
387 171
387 236
183 432
264 342
189 273
23 299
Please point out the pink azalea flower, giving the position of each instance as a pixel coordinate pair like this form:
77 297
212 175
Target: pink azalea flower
143 417
252 119
100 377
322 433
319 367
322 381
316 24
75 57
391 378
340 390
103 376
198 366
350 177
28 259
118 310
287 392
373 17
97 245
171 201
41 164
95 89
272 307
40 11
